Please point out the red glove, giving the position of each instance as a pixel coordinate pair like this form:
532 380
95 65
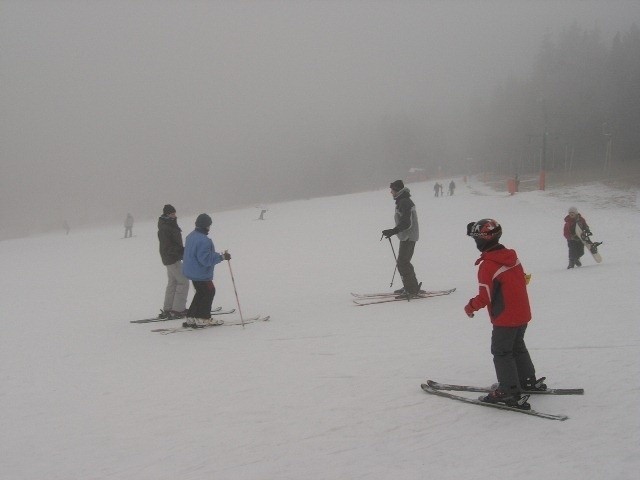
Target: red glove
468 309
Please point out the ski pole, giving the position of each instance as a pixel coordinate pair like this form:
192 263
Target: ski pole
236 292
396 258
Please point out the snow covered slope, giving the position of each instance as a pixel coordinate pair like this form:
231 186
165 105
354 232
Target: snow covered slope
325 390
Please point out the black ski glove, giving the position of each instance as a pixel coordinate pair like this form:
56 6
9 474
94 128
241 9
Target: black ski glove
226 256
389 232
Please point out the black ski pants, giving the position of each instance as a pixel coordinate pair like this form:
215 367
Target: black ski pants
576 250
405 269
203 299
511 358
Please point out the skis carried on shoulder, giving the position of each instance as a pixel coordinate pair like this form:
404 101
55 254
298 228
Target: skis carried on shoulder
469 388
215 311
441 393
218 323
372 299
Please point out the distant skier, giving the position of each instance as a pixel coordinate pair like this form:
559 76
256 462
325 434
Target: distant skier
502 289
452 187
200 258
171 251
407 230
436 189
261 217
128 226
576 247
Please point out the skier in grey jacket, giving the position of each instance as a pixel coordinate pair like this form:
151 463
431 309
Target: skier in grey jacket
407 230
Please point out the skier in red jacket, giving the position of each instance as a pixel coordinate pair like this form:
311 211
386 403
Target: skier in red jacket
503 290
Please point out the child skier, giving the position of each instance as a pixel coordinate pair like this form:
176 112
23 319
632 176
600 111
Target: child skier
502 289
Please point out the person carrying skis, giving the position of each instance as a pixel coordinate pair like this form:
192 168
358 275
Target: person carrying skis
502 289
406 219
200 258
576 247
171 250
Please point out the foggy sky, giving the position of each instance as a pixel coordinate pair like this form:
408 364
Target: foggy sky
111 107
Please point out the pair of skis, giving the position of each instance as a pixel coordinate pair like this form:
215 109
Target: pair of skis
215 311
442 390
362 299
218 323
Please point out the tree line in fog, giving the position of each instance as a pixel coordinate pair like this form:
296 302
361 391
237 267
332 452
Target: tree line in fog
578 108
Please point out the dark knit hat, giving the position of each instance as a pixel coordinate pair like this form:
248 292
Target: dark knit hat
397 185
203 221
168 209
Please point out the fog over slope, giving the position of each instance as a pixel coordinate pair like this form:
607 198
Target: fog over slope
119 106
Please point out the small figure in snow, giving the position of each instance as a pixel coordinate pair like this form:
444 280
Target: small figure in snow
436 189
452 187
66 227
128 226
406 219
171 251
200 258
262 212
576 247
502 289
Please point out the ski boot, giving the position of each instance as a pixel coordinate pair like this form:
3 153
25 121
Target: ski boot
530 384
189 322
201 322
175 315
513 400
404 294
164 314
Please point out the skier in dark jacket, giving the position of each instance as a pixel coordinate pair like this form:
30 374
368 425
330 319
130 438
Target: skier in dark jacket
171 250
406 219
502 289
576 247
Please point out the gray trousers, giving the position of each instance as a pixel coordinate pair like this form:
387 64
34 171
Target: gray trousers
175 296
511 358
